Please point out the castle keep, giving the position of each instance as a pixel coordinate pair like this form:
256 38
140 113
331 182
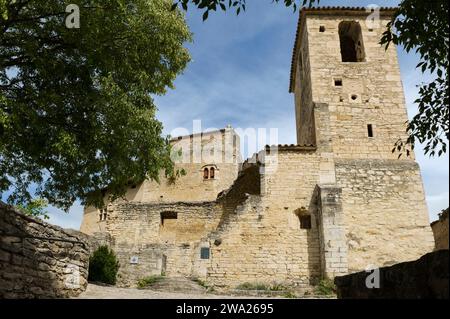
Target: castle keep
337 202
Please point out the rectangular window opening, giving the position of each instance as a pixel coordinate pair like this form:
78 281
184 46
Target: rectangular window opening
204 253
370 130
305 221
337 82
166 216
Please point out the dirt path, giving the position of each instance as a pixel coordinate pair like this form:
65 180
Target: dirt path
102 292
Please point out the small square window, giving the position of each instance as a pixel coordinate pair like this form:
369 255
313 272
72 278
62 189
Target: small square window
204 253
305 222
337 82
322 28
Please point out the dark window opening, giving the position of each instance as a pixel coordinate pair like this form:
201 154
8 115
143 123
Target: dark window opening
322 28
168 216
370 130
337 82
212 172
352 47
354 97
204 253
305 221
103 214
206 173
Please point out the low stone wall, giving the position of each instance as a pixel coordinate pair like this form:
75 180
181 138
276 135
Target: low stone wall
39 260
427 277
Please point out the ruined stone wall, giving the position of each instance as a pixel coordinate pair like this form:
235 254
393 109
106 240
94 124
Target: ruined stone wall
262 241
39 260
371 92
440 231
384 212
138 231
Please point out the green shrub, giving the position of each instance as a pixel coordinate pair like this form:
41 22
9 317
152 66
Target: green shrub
325 287
103 266
148 281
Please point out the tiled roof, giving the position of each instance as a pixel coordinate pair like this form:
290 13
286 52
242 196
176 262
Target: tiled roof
322 10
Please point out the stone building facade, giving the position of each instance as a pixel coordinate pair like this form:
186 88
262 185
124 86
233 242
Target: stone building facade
337 202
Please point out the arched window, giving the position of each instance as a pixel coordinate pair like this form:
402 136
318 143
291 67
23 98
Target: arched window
352 46
206 173
212 172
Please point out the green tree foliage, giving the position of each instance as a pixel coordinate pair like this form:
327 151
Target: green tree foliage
76 112
422 26
103 266
36 208
238 5
417 25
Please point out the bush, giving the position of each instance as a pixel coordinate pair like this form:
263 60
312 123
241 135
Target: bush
103 266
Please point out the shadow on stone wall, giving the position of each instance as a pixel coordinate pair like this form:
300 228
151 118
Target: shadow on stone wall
425 278
39 260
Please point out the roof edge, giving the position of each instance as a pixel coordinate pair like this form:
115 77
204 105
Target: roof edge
325 11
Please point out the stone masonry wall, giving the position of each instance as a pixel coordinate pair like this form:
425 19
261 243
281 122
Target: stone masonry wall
170 249
218 149
262 242
39 260
440 231
384 211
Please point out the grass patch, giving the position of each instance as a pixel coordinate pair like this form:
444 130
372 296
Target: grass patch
252 286
261 287
149 281
326 287
290 295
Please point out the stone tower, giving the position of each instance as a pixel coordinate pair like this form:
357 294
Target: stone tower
338 61
350 104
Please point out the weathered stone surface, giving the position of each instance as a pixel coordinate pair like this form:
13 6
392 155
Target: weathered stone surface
440 231
427 277
44 267
360 204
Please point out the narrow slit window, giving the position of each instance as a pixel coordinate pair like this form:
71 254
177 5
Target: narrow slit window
212 173
370 130
206 173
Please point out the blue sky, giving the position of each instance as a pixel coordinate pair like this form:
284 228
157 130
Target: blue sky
240 76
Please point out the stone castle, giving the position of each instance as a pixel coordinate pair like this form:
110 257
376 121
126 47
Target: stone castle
337 202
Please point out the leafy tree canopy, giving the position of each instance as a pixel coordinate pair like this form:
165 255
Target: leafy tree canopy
417 25
36 208
76 114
